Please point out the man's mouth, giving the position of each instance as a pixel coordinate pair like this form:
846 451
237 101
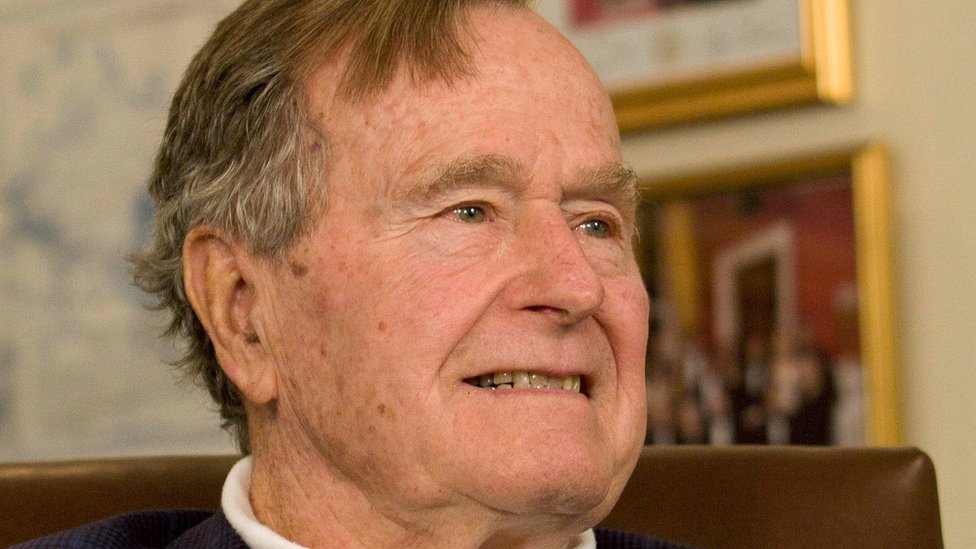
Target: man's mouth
525 380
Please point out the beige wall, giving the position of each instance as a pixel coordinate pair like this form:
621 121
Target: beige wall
915 79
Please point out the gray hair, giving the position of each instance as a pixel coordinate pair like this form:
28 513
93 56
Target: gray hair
240 152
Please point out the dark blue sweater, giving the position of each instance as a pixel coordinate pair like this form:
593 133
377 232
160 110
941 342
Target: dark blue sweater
210 530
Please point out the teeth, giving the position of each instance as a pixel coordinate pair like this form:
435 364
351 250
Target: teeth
538 381
568 383
526 380
503 377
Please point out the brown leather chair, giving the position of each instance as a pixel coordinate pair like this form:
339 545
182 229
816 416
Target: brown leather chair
714 498
783 497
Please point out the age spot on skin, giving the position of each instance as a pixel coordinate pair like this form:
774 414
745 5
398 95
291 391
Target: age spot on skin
384 411
298 269
381 326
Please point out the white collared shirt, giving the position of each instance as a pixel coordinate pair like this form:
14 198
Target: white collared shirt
236 503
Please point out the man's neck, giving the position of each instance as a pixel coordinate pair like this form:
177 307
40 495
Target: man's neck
315 510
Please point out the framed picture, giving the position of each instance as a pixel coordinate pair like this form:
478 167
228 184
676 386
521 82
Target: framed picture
672 61
772 304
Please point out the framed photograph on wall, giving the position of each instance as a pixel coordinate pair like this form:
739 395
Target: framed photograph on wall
773 315
672 61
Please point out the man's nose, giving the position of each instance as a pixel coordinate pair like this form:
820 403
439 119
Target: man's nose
554 275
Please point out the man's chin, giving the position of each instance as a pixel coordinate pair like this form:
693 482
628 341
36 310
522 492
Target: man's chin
556 508
550 459
577 490
583 488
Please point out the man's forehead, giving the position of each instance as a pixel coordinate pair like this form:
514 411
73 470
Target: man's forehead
494 41
528 100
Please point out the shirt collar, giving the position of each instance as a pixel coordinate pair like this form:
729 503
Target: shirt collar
236 503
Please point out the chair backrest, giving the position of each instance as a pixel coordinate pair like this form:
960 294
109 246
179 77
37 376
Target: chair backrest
721 498
783 497
43 498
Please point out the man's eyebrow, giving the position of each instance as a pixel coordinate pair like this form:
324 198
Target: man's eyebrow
615 183
496 169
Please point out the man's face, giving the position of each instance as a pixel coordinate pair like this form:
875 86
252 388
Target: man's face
475 234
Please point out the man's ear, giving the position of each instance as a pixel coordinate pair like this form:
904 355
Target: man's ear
221 284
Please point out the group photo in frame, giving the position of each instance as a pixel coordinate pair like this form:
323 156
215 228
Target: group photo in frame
674 61
772 318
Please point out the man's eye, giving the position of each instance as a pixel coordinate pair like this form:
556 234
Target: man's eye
470 214
596 228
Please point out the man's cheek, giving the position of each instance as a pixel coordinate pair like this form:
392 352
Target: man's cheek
457 242
441 277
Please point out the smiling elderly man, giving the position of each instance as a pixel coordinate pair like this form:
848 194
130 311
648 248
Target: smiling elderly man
396 235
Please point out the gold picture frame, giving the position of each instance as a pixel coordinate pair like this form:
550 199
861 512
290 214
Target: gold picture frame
684 269
813 64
